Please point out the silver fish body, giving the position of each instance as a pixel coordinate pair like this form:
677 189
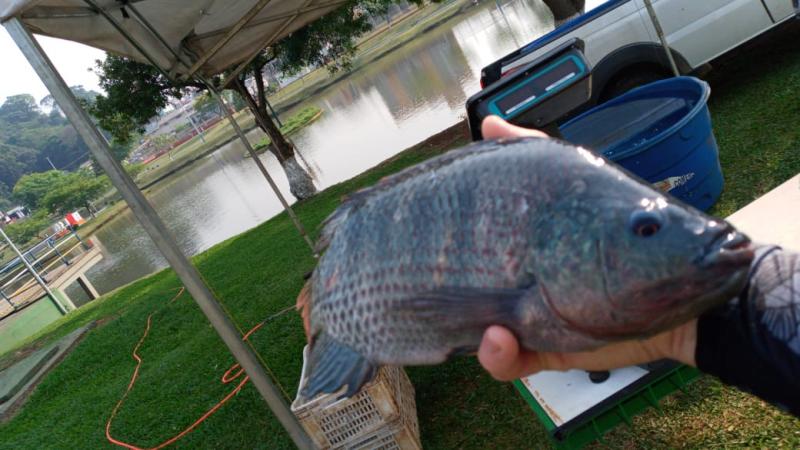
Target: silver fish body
561 246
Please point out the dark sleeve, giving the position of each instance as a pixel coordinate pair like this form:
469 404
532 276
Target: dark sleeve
753 342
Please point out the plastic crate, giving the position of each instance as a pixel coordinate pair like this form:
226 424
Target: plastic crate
383 415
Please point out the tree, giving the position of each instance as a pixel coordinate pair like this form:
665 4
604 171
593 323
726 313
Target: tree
5 199
205 104
14 162
30 227
19 108
32 188
86 98
74 190
564 10
137 92
31 140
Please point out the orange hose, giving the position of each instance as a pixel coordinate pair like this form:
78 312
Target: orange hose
227 378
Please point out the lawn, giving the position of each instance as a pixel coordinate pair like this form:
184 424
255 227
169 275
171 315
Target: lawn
195 147
755 114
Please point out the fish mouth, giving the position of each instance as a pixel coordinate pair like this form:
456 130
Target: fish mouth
728 248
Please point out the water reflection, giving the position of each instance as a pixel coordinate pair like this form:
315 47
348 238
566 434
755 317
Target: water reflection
389 105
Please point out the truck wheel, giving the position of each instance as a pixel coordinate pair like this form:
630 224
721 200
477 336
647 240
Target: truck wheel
629 80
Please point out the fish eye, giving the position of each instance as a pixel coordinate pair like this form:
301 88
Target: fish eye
645 223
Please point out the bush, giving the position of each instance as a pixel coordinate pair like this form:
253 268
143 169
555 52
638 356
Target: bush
28 228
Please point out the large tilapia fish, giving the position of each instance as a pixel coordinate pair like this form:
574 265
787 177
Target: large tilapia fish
564 248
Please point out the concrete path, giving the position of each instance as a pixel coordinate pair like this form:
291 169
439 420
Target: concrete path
18 381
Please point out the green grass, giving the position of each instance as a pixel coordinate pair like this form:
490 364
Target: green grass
295 123
755 112
17 328
214 137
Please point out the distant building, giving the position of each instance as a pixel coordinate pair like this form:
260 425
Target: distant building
15 214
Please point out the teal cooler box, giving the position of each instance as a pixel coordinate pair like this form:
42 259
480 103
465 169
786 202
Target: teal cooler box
660 132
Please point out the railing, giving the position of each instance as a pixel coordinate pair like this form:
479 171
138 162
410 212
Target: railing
50 258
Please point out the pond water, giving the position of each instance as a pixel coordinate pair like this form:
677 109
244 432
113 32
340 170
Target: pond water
382 109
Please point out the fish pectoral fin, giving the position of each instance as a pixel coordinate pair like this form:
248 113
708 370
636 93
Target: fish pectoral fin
333 365
468 307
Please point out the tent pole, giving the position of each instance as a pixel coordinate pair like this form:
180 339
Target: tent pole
156 229
35 274
295 220
215 93
660 33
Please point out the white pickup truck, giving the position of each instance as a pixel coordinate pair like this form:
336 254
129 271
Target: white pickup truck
624 50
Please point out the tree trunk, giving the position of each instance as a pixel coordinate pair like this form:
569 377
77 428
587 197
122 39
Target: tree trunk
564 10
300 183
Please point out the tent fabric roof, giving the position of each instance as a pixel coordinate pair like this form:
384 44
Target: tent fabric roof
219 33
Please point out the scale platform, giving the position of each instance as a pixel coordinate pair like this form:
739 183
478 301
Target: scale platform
576 411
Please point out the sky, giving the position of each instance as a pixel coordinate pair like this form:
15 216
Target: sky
71 59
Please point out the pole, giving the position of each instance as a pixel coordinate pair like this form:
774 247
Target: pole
33 272
660 32
215 93
51 163
156 229
263 169
194 126
274 114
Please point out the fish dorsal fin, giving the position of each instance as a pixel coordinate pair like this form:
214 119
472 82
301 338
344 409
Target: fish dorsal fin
357 199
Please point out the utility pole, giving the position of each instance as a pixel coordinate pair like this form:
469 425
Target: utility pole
51 162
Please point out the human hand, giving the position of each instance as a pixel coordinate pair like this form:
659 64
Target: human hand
501 356
494 127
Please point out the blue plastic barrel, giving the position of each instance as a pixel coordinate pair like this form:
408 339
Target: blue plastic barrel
660 132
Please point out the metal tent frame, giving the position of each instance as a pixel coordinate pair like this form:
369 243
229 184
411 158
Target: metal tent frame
144 211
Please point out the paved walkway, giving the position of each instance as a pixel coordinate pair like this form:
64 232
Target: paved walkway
19 380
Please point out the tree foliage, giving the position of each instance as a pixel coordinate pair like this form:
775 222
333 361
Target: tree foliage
32 188
19 109
135 93
5 198
75 190
23 231
85 98
28 138
59 192
329 41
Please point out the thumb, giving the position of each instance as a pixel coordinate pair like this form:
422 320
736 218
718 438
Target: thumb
500 355
494 127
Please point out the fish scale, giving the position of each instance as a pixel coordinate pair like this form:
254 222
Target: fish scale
533 234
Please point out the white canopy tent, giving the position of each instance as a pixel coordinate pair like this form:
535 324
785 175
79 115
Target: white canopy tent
207 35
183 39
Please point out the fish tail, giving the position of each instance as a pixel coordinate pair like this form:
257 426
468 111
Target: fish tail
333 365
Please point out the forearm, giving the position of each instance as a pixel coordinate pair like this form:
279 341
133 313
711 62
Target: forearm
753 342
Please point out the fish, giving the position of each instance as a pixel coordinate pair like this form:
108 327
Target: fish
563 247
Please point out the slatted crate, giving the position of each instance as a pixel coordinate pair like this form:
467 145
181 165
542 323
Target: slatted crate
383 415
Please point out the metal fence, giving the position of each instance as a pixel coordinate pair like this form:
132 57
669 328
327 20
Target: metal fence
50 258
